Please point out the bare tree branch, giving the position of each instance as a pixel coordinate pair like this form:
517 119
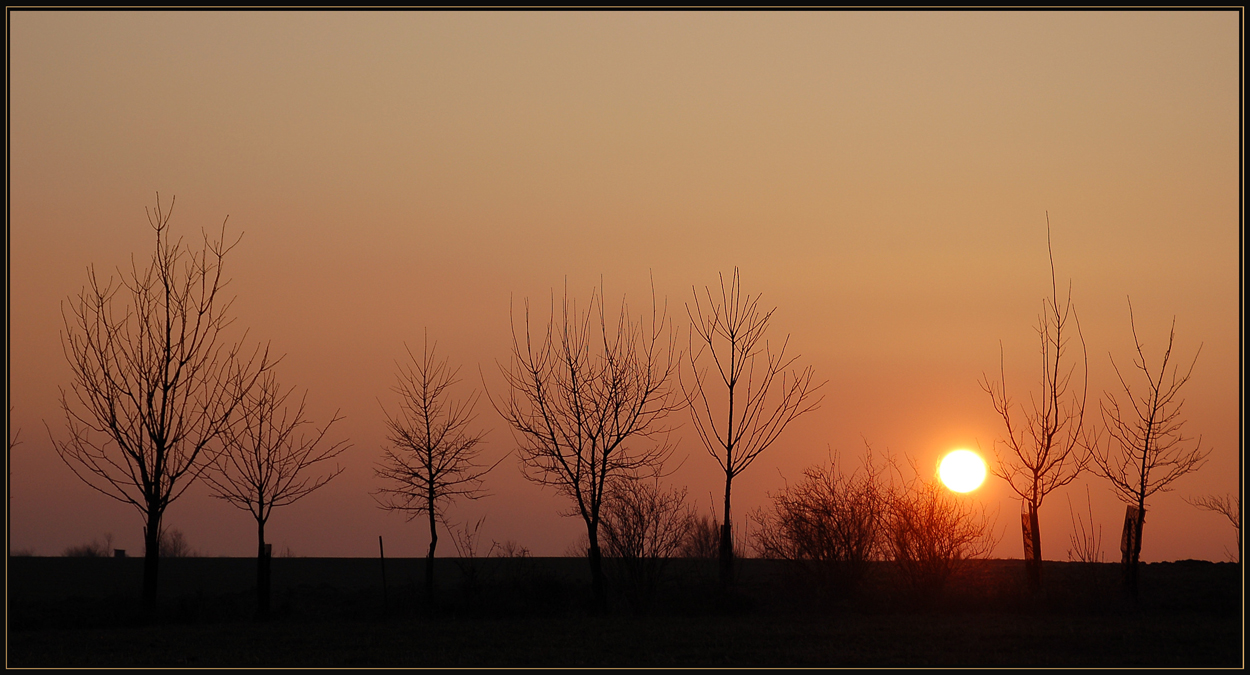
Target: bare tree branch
759 402
433 457
1228 506
1145 450
1045 444
155 382
588 403
265 465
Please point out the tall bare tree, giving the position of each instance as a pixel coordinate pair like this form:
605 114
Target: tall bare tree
1145 450
433 457
588 404
1044 443
267 461
156 382
761 396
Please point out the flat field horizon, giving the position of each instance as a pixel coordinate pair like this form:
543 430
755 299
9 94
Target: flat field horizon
525 611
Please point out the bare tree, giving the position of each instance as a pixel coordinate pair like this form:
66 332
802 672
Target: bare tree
830 522
94 549
1145 450
1227 506
930 532
155 381
643 527
433 457
1044 444
588 404
760 397
172 543
266 463
703 541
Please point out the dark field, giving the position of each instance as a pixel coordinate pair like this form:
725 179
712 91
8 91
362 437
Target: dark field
73 612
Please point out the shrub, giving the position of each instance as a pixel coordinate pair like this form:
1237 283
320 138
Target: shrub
830 522
173 544
93 549
929 533
642 527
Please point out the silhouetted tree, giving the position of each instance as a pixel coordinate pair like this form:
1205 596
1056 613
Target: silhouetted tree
1145 450
266 464
1044 443
172 543
703 540
759 402
155 382
1228 506
95 549
831 522
433 457
930 532
587 404
642 528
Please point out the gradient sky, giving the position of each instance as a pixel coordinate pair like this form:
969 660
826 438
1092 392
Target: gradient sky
883 180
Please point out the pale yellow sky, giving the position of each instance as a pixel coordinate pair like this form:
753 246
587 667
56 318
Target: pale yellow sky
883 179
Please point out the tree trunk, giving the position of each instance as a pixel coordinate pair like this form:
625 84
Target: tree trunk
1130 547
429 562
596 572
262 572
726 542
151 558
1135 553
1033 559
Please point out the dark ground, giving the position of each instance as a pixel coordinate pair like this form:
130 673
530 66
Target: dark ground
76 612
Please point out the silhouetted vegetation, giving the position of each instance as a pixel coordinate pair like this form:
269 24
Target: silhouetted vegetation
155 381
1228 506
93 549
930 532
832 523
433 457
172 543
1046 450
265 464
532 613
643 527
758 404
835 525
1086 543
588 405
1145 451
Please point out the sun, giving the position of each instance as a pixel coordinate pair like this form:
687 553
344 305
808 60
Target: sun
962 470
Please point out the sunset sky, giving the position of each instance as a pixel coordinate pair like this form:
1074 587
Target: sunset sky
882 178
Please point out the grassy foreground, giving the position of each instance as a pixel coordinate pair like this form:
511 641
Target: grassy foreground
532 613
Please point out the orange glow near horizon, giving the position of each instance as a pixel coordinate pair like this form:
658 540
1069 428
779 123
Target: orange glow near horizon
883 180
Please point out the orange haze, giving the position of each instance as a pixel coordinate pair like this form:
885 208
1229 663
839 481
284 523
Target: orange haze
882 179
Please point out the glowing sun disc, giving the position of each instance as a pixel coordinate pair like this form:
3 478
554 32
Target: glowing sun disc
962 470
